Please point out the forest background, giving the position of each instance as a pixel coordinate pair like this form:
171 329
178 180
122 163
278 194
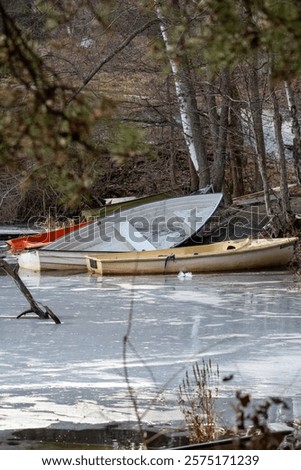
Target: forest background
113 98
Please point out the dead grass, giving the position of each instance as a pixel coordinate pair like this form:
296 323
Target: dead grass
197 397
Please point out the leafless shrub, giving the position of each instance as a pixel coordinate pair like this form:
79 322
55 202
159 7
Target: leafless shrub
10 196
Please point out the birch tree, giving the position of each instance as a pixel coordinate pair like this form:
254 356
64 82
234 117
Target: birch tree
295 129
189 114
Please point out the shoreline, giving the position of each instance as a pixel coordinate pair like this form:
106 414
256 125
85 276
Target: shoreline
121 437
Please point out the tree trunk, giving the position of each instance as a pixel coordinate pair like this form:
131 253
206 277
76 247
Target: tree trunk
189 113
236 144
220 156
256 112
295 130
211 91
172 150
282 161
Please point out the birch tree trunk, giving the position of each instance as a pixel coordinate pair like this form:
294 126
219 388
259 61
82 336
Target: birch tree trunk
189 113
256 112
295 130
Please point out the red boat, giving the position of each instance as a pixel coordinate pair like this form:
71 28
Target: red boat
41 239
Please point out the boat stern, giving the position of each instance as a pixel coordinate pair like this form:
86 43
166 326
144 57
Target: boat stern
29 260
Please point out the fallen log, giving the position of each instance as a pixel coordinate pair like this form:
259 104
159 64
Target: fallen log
34 306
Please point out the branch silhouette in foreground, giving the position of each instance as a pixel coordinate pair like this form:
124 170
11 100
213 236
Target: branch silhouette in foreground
34 306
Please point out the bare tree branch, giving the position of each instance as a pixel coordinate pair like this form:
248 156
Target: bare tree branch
107 59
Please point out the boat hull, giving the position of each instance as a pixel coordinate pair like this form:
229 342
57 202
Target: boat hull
41 239
151 226
240 255
40 260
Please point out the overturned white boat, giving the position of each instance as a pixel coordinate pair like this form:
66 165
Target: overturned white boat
157 225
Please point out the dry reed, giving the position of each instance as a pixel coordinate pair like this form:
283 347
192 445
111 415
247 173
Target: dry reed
197 397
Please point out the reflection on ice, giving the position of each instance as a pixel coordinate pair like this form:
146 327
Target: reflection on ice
247 324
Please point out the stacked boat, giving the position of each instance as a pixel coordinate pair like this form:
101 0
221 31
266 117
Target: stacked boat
157 237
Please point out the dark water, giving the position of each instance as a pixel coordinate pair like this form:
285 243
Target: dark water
248 324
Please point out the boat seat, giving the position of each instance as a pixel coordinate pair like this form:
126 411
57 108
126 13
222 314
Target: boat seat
134 237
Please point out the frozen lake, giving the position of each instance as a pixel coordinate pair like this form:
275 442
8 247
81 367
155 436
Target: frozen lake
70 374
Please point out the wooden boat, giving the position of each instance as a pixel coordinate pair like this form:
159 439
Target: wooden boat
41 239
156 225
243 254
